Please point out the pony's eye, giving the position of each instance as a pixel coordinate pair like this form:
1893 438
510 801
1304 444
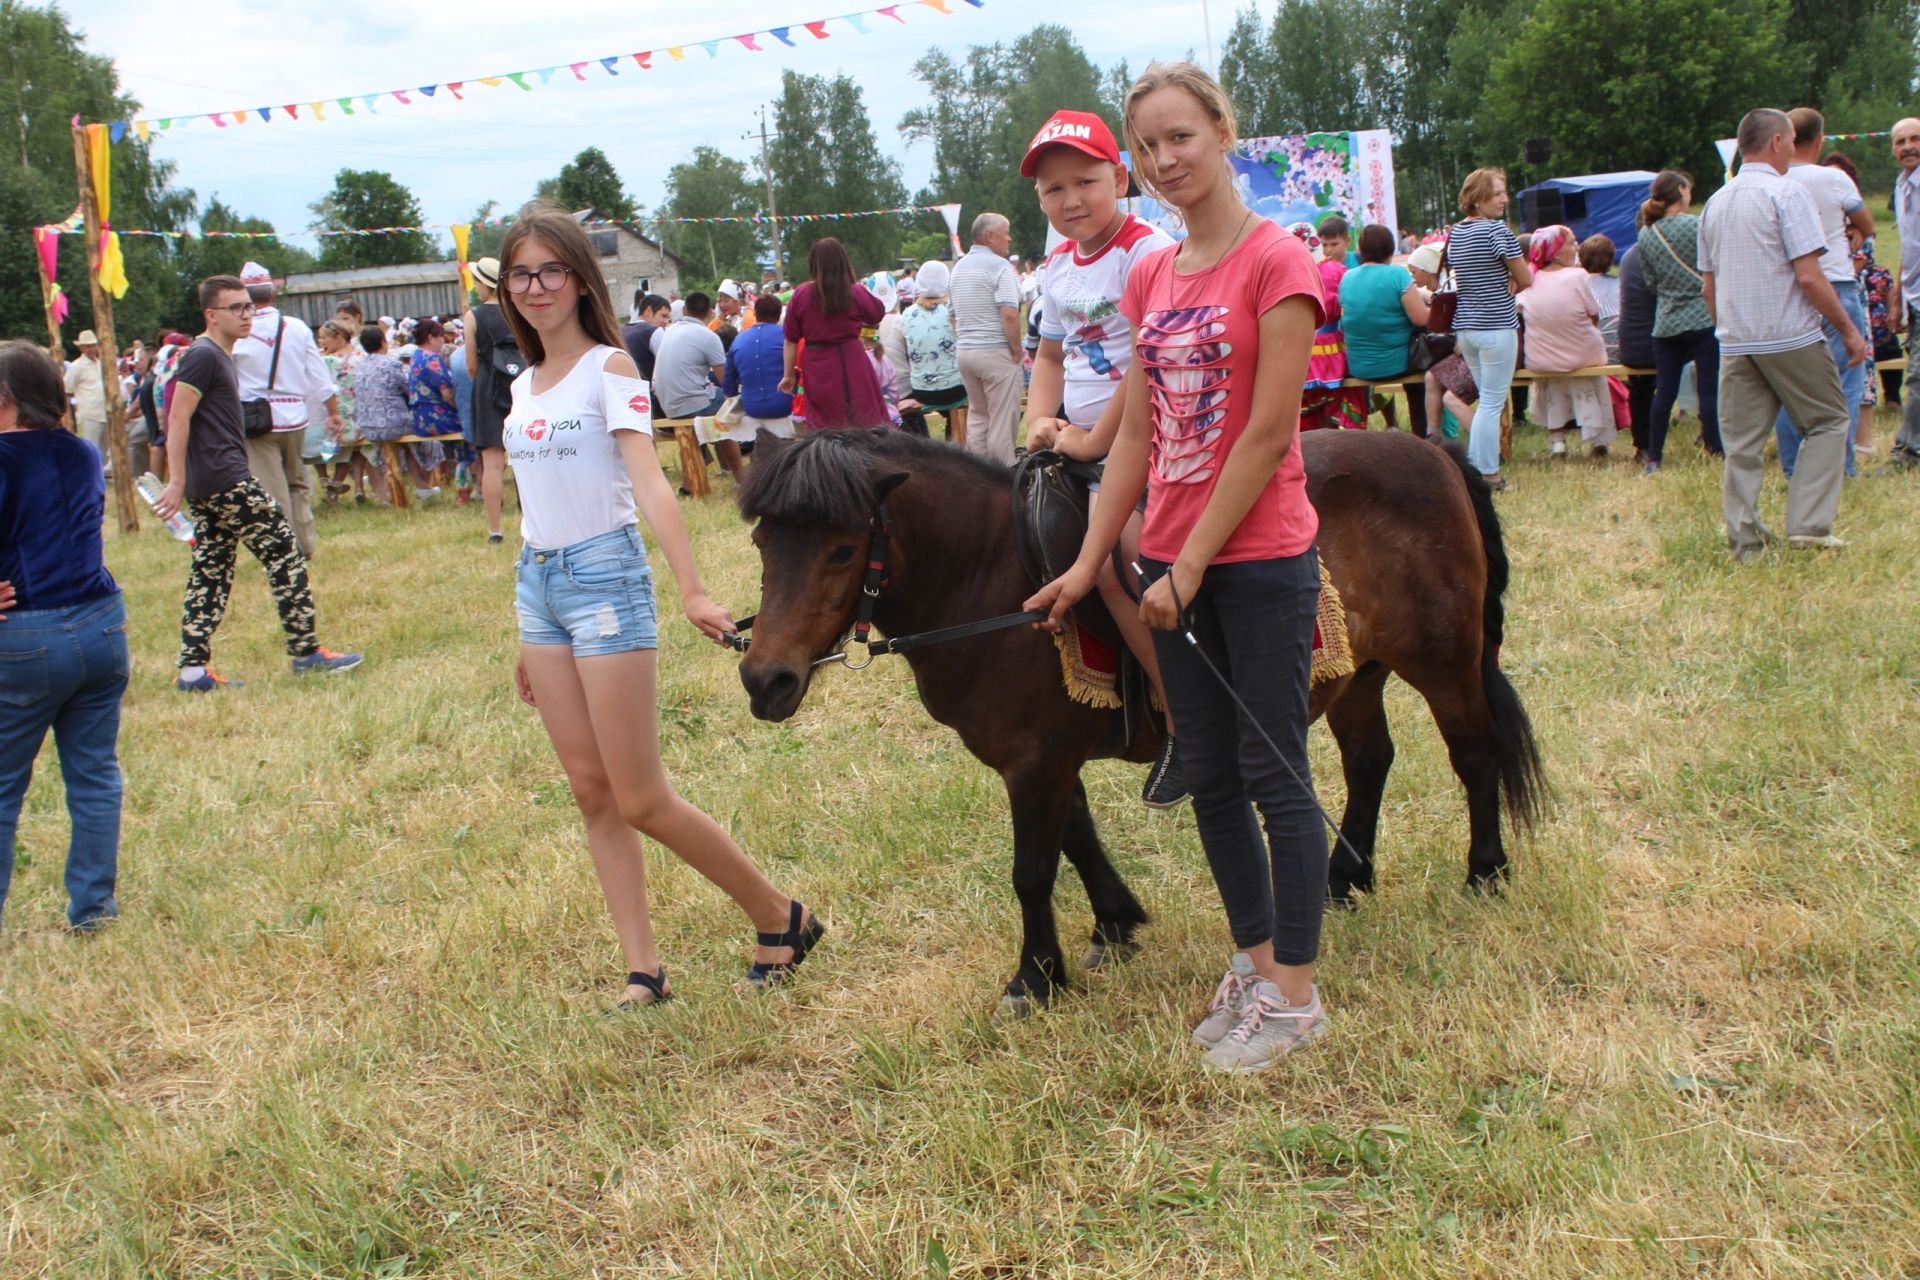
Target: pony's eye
842 555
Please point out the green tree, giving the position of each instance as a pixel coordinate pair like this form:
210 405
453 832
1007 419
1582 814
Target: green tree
46 78
710 184
925 247
983 112
363 198
589 181
198 257
826 159
485 242
1599 121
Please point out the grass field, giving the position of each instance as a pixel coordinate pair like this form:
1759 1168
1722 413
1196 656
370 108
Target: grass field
349 1025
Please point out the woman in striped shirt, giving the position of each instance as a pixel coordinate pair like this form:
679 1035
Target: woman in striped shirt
1488 269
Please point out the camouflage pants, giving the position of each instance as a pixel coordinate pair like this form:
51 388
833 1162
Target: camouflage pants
245 513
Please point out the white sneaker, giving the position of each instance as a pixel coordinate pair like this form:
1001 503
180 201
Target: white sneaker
427 495
1271 1030
1815 542
1229 1004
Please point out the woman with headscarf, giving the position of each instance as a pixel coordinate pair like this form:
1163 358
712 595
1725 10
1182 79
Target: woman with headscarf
1563 334
933 363
828 313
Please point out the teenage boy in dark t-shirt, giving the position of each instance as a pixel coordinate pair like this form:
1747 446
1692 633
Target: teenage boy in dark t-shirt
207 458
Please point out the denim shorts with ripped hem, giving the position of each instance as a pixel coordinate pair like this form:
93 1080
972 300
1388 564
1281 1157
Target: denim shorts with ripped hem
595 596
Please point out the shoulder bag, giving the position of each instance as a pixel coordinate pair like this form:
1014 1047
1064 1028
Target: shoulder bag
256 416
1429 346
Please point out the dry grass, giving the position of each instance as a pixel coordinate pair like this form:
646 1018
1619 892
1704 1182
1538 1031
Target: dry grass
349 1025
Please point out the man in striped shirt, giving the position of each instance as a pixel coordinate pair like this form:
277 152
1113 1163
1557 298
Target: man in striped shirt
986 315
1760 251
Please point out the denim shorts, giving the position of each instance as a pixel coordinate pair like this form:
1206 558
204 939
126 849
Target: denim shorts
595 596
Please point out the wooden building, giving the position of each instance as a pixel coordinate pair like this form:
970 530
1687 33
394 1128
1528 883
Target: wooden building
408 289
630 262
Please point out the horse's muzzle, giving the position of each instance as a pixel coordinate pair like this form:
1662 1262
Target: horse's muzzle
774 691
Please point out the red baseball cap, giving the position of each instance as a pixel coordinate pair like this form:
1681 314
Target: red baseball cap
1081 130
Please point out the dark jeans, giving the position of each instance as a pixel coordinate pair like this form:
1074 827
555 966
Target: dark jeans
1640 408
1254 619
65 670
1670 356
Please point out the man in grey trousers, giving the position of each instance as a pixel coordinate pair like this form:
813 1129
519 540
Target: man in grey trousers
1760 251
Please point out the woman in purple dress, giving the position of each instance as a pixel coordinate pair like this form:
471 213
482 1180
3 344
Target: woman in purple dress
828 313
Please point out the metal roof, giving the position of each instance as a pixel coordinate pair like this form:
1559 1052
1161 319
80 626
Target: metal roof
404 273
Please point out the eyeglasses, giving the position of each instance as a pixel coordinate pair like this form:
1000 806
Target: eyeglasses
241 309
551 277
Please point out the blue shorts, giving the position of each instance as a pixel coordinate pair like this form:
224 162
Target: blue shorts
595 596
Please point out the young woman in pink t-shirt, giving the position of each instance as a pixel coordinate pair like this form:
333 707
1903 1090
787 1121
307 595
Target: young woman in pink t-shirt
1223 325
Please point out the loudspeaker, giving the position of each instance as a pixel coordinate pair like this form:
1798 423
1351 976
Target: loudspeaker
1541 207
1539 150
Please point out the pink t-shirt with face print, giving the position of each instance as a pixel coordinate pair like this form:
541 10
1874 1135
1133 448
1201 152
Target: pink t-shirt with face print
1197 338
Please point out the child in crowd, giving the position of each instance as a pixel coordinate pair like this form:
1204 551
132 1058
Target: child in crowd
1563 333
884 370
1085 350
579 436
1223 324
1336 242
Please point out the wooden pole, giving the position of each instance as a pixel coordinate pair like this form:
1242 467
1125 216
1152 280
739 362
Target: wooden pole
109 348
46 299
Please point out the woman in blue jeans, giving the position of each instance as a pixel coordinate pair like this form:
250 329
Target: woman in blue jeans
1488 269
63 641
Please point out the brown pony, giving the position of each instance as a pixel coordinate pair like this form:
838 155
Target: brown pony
1407 530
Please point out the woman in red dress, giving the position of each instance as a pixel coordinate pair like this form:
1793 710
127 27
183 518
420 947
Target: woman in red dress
828 312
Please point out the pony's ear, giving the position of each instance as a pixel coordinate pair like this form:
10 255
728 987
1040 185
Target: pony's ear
766 444
888 483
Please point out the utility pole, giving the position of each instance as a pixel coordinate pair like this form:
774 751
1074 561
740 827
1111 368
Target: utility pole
773 214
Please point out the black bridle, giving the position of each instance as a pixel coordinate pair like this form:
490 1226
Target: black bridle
879 565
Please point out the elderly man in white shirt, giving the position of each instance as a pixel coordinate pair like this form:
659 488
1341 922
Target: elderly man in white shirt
1906 212
86 385
296 388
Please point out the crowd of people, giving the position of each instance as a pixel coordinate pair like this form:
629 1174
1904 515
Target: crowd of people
1187 368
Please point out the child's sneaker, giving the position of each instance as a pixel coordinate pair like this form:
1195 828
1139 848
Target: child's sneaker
1271 1030
326 662
1228 1008
207 682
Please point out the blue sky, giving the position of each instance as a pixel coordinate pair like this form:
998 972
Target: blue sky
192 57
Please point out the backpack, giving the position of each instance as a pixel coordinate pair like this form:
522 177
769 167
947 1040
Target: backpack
504 362
165 366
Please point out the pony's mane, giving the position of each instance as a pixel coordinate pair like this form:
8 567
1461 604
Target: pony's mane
830 477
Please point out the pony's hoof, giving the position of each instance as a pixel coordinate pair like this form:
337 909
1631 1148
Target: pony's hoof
1013 1009
1346 895
1104 955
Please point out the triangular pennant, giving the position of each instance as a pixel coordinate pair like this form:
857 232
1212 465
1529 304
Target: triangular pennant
578 70
319 110
453 87
520 78
428 89
293 112
608 64
751 41
677 52
780 34
346 105
892 11
712 47
819 29
367 100
143 129
546 74
938 6
859 22
239 117
117 130
266 113
401 94
494 81
166 122
645 60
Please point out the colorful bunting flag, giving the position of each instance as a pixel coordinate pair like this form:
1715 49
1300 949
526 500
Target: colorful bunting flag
750 41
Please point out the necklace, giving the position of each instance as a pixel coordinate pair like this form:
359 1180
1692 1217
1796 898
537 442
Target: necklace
1199 284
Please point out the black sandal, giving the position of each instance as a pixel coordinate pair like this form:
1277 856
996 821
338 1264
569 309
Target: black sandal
656 983
765 975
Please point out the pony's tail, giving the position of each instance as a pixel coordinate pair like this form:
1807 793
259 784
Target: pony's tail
1523 777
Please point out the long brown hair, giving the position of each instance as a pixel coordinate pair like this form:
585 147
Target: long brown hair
832 275
1202 87
555 228
1665 190
31 382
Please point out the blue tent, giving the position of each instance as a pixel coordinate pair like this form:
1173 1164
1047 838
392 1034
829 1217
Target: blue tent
1600 202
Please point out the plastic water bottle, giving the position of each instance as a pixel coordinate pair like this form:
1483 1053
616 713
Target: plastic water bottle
328 447
177 524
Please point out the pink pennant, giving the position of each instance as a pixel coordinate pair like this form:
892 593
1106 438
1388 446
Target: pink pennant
401 94
578 70
819 29
751 41
217 121
892 11
49 246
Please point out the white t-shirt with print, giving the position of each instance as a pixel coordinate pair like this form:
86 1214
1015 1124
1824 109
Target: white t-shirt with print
573 484
1080 309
